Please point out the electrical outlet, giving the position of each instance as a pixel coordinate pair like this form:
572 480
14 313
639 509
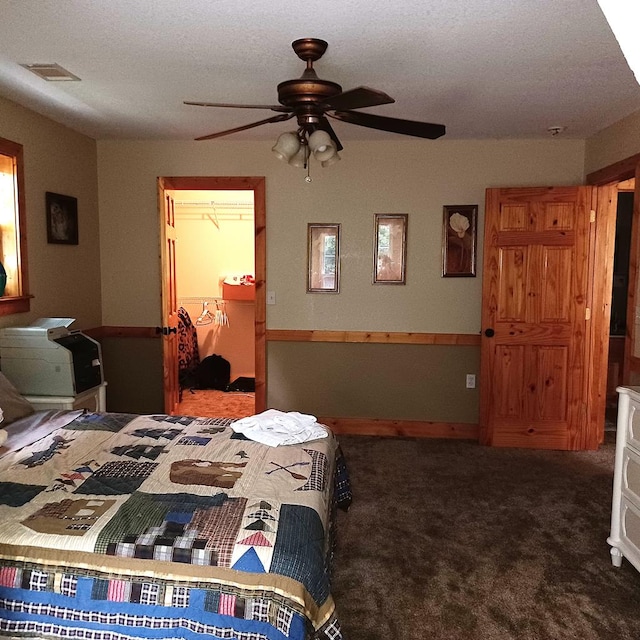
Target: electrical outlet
471 380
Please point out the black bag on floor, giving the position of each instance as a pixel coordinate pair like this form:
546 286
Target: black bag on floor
213 372
242 384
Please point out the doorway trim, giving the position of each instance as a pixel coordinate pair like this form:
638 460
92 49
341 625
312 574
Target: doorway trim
257 185
616 173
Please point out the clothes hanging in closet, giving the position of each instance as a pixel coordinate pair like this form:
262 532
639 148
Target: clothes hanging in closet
188 354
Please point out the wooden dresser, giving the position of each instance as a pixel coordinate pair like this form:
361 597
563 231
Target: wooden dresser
625 512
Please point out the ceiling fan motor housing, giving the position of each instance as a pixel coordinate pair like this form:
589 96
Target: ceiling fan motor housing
306 96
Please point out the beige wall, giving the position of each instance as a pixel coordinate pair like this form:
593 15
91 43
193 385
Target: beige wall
399 176
64 279
414 177
619 141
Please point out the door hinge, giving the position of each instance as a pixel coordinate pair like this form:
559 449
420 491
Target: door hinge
587 313
592 215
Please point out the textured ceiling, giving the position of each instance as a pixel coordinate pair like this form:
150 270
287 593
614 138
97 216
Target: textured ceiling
484 68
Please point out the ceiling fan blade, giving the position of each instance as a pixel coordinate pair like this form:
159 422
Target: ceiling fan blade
278 118
273 107
326 126
394 125
358 98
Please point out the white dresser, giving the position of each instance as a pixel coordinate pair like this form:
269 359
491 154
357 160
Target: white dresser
92 399
625 512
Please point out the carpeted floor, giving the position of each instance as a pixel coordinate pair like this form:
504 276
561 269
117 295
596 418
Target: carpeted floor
211 403
448 540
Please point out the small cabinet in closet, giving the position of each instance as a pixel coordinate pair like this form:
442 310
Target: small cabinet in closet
238 291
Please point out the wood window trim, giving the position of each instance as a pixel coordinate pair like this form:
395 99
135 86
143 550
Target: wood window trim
20 303
14 304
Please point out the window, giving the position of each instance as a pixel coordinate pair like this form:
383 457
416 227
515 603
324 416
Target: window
14 296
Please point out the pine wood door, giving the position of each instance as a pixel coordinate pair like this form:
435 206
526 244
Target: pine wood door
169 301
535 328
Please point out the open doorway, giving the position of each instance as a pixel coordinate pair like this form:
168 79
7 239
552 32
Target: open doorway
240 300
215 284
619 299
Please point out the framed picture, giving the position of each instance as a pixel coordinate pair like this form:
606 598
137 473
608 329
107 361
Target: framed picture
323 258
390 248
459 240
62 219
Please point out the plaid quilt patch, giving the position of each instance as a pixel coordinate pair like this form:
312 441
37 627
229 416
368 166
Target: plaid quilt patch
342 490
68 585
330 631
317 480
180 596
10 577
117 478
88 421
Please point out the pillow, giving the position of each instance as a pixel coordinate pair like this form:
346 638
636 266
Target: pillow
13 405
3 436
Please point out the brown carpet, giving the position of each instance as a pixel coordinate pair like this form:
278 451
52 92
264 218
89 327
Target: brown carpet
210 403
448 540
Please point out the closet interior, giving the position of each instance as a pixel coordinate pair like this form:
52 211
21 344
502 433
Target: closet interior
215 269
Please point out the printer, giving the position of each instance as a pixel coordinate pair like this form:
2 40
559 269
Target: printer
47 359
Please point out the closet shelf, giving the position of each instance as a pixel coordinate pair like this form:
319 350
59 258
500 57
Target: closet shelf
238 291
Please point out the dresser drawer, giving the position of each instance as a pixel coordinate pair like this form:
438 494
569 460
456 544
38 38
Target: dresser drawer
633 424
630 524
631 475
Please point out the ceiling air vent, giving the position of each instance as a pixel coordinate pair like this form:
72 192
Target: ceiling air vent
52 72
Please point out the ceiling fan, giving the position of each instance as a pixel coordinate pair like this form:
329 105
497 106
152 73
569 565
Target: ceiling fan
310 100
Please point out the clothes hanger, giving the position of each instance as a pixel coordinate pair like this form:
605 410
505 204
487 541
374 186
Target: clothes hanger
221 318
205 317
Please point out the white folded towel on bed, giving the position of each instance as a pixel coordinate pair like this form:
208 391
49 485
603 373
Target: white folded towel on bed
274 428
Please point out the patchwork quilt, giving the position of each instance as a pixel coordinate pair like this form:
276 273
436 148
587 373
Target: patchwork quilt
121 526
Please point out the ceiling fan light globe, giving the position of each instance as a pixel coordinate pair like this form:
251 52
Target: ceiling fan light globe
301 158
319 140
332 160
286 146
324 156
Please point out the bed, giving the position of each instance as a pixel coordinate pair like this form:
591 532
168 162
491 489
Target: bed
118 526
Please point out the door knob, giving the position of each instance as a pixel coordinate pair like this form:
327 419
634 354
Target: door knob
489 333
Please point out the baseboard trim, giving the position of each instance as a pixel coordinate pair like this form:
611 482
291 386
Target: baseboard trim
406 428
